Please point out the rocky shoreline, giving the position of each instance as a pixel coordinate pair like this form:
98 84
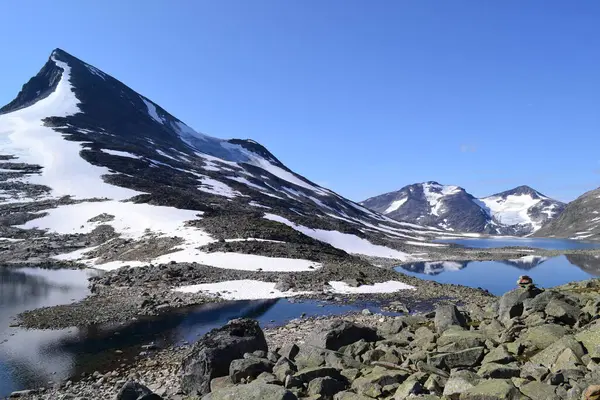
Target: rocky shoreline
528 344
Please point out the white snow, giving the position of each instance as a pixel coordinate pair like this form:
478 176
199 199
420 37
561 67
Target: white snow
425 244
435 193
213 186
513 210
11 240
255 204
162 153
131 219
383 287
246 182
344 241
96 71
248 262
285 175
23 135
394 205
152 111
529 259
253 240
245 289
120 153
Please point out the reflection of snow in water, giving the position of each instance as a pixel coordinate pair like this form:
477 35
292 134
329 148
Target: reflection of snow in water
29 357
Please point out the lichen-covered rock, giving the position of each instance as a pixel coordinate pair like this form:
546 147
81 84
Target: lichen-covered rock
252 391
492 389
447 316
211 356
463 358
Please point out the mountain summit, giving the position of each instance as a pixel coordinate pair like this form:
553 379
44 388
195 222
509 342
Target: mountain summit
107 177
518 211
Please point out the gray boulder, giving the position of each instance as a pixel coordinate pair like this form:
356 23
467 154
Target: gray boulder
544 335
536 372
590 337
511 303
136 391
325 387
550 354
492 389
212 354
446 316
538 390
340 333
499 371
253 391
563 312
460 381
464 358
283 368
248 368
499 355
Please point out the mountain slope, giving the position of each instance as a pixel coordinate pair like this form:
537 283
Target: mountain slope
519 211
432 204
579 220
522 208
99 174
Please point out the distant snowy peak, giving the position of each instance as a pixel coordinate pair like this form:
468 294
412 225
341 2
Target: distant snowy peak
523 208
519 211
432 204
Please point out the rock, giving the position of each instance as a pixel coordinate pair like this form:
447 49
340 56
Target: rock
267 377
248 368
326 387
592 393
408 388
136 391
391 327
499 371
566 360
544 335
351 374
499 355
283 368
548 356
590 337
539 302
284 284
447 316
350 396
435 384
308 374
493 389
211 356
253 391
289 351
464 358
538 390
460 381
220 383
533 371
460 339
340 333
366 311
511 303
563 312
372 384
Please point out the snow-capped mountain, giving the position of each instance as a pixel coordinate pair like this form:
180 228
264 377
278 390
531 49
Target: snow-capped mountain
92 171
523 209
579 220
432 204
519 211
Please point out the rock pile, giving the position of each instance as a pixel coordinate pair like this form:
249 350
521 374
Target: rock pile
531 344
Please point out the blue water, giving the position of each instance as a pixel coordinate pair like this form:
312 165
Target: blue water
501 276
540 243
31 358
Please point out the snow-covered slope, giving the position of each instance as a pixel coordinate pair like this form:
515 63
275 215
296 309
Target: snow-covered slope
518 211
523 208
92 171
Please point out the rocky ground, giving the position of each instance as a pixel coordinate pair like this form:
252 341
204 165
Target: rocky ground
528 344
119 295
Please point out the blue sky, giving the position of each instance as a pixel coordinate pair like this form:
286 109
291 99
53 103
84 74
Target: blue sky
361 96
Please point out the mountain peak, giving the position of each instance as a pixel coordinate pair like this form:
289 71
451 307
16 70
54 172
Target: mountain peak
520 191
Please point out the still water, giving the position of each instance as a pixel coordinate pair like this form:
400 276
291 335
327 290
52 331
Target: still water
540 243
501 276
32 358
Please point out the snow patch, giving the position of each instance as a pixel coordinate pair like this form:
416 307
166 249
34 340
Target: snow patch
396 204
219 188
152 111
383 287
343 241
245 289
120 153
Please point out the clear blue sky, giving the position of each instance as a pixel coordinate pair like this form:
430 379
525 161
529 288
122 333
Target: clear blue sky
361 96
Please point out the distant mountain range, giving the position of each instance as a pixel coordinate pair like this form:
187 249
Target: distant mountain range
519 211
